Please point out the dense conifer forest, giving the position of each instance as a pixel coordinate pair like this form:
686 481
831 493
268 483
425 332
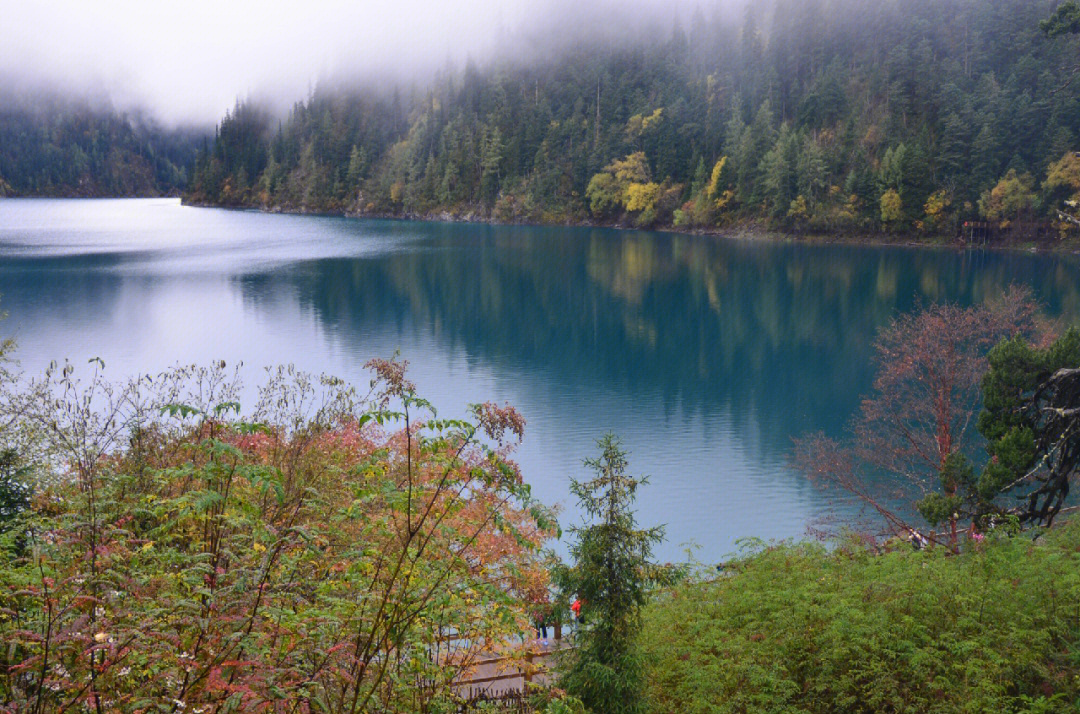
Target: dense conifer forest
52 145
822 115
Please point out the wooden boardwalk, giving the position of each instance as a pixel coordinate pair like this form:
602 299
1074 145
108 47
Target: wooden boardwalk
510 671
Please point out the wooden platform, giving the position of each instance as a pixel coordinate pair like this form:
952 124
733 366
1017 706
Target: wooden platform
511 670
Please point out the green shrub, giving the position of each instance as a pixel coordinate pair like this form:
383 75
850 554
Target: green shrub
799 628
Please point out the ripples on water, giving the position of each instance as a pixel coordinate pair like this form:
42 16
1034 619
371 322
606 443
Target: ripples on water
705 355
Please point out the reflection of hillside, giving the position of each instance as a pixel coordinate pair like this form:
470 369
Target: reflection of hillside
78 288
781 332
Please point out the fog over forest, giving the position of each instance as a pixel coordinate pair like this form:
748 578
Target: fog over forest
187 64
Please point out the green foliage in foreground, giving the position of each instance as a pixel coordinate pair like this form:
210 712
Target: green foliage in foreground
798 628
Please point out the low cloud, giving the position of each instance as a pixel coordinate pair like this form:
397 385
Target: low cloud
189 62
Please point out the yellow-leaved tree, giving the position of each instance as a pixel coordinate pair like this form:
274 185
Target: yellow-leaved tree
714 181
892 206
936 209
642 196
1011 198
609 190
641 123
798 210
1063 186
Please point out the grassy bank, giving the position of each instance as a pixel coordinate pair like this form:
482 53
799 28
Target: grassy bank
797 628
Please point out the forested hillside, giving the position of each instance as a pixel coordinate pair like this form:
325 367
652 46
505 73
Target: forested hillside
825 115
56 146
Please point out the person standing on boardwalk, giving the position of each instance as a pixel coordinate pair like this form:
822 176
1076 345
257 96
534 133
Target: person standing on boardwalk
541 614
576 608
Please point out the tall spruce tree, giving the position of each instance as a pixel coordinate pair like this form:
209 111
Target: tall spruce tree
611 574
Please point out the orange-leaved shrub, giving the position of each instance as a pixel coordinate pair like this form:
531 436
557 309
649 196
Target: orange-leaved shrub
331 553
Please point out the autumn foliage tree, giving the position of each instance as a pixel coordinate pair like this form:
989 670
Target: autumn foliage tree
607 190
1011 198
1062 186
332 554
892 207
626 185
906 449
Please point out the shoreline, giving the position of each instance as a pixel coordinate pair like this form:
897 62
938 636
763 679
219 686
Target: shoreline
749 232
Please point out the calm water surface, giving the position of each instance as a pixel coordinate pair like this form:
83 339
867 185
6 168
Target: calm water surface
705 355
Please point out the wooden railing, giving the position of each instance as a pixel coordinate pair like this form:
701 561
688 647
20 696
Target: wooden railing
983 232
508 673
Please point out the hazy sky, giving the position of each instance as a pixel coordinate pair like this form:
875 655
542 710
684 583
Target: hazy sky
188 61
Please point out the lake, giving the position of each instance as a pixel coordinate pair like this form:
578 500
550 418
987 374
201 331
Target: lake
705 355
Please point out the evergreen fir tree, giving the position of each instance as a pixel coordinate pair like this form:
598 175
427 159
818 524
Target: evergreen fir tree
611 573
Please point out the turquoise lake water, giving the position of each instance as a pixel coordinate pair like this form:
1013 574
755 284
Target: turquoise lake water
705 355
